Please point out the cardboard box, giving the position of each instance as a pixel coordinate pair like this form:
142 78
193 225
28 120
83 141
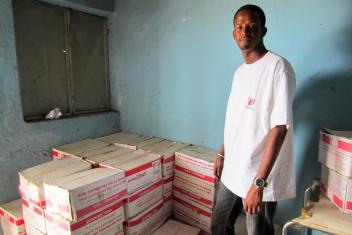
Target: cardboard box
196 161
31 179
192 213
149 142
166 149
337 188
141 168
146 222
11 217
76 148
103 154
34 218
194 188
172 227
107 221
124 139
80 195
167 186
142 199
335 150
168 206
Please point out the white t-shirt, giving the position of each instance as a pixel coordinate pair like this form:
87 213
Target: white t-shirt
261 98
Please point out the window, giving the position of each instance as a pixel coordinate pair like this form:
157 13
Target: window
62 60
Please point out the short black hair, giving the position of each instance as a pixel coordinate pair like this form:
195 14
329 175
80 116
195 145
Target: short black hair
254 8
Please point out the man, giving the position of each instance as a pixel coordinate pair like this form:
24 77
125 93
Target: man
255 164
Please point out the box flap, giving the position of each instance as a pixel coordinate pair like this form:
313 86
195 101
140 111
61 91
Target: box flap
109 155
81 146
13 208
200 152
343 134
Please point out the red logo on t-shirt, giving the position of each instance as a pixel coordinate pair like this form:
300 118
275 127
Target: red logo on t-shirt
251 101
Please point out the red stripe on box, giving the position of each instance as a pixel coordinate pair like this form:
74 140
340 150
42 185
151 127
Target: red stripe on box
337 200
100 204
15 222
55 153
138 169
35 209
169 159
168 180
38 211
19 222
144 217
344 146
349 205
24 202
193 196
2 213
326 139
96 216
144 191
38 203
169 198
195 174
189 205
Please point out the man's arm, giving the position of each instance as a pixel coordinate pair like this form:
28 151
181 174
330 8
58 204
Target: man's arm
276 136
219 163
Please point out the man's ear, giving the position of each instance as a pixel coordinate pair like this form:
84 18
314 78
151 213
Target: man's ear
264 31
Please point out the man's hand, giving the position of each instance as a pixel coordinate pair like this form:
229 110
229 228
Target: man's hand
253 202
219 164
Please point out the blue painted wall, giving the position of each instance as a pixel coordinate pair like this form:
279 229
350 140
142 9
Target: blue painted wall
173 62
25 144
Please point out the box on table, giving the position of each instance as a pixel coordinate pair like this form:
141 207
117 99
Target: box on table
141 168
142 199
191 212
31 179
80 195
335 150
194 188
76 148
166 149
172 227
34 218
11 217
167 186
99 155
145 222
124 139
337 188
106 221
168 206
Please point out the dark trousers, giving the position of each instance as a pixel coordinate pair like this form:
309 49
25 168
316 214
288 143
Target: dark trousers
227 208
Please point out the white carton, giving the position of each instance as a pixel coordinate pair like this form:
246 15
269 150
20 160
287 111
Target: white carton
34 218
142 199
166 149
80 195
194 188
31 179
100 155
168 206
167 186
11 217
104 222
172 227
335 150
146 222
76 148
124 139
192 213
141 168
196 161
338 189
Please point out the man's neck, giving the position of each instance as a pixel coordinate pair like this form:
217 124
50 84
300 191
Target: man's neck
252 56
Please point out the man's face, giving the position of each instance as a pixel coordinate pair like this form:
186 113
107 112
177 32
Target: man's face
248 32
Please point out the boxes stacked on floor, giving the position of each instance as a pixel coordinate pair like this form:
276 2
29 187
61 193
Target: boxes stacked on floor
335 153
11 218
172 227
87 202
32 190
144 203
194 186
166 150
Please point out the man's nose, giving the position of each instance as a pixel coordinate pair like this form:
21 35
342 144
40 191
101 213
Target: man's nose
247 30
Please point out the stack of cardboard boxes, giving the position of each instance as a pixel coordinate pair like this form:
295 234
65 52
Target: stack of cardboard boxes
335 153
11 218
194 186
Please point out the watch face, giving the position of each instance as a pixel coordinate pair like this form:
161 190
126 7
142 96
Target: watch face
260 183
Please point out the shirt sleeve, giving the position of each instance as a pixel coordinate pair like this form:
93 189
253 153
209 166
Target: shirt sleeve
283 92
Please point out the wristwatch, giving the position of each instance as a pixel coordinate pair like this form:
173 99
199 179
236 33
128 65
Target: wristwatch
260 183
